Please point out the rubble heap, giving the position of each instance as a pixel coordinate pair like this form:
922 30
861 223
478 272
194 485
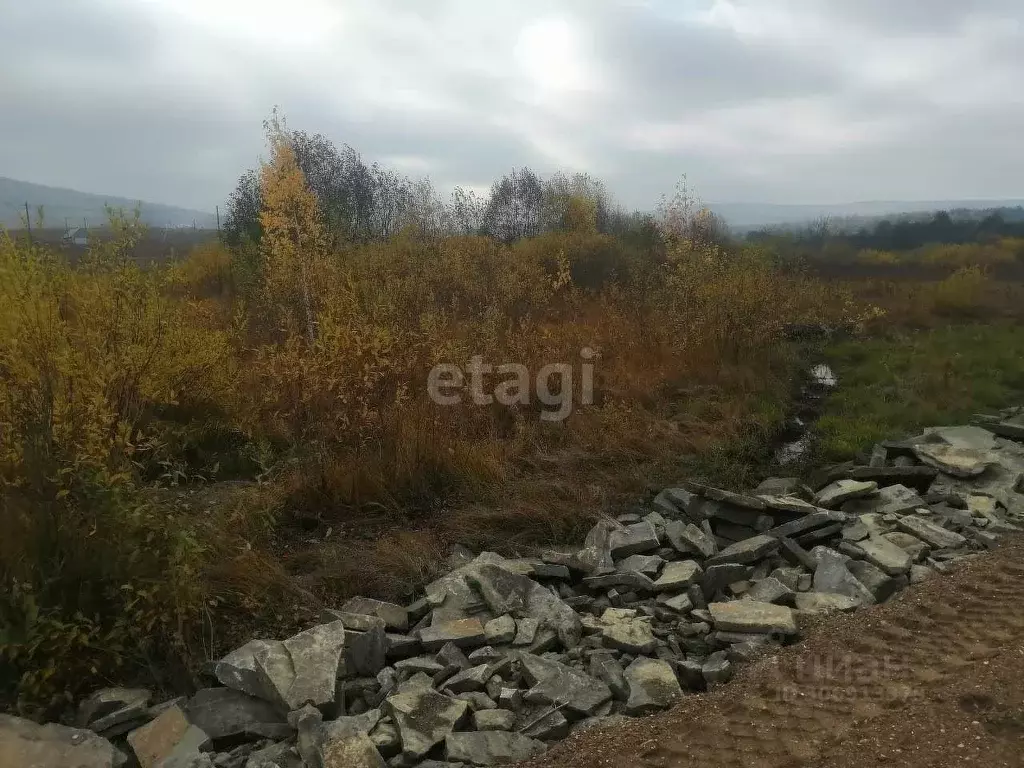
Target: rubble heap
502 656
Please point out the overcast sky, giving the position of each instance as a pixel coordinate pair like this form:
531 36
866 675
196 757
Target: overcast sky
755 100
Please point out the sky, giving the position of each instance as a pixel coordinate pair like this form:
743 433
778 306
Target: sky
781 101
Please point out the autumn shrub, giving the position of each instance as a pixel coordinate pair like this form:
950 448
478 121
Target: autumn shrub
89 358
961 294
300 363
966 255
207 272
877 257
341 376
953 256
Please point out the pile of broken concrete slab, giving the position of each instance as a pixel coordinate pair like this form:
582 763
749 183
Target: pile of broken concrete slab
502 656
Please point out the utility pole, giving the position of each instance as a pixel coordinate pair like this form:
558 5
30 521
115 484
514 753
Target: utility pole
28 223
218 221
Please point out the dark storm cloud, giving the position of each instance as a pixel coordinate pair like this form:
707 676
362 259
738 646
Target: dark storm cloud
792 100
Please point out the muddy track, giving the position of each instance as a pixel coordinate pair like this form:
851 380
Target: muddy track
934 678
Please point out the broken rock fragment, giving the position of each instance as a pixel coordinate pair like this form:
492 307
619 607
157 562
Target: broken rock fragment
624 631
500 630
954 460
303 669
465 633
350 750
678 576
163 736
424 718
113 711
688 539
929 532
554 683
824 602
882 553
749 616
511 593
836 493
224 713
832 575
635 539
24 743
395 617
486 748
747 551
652 686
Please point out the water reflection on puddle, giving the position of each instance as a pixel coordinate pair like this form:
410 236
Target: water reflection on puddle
822 378
793 451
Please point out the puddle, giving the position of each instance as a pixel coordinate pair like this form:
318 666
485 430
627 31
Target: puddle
824 376
822 379
793 451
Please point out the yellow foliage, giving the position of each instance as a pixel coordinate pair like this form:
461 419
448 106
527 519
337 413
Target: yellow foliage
316 362
581 214
1014 246
962 292
955 256
965 255
204 273
293 238
872 256
89 357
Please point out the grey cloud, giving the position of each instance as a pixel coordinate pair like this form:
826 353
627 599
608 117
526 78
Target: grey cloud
917 18
75 41
104 96
670 66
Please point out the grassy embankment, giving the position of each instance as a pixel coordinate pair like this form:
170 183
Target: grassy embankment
897 383
950 342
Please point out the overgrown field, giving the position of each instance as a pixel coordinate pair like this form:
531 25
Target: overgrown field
899 382
197 450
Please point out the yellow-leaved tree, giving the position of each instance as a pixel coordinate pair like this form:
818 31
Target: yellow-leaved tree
293 238
581 214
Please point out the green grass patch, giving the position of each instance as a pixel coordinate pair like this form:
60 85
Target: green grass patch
898 384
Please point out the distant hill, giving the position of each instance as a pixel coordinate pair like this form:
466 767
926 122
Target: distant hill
59 204
747 216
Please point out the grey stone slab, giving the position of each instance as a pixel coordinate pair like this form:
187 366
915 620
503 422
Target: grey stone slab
636 539
747 551
929 532
750 616
424 719
304 668
653 686
486 748
555 683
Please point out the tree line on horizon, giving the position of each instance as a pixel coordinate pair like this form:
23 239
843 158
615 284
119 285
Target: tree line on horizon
907 232
364 202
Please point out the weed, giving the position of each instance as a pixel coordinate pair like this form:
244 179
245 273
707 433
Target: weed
902 382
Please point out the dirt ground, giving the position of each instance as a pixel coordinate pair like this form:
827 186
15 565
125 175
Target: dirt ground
934 678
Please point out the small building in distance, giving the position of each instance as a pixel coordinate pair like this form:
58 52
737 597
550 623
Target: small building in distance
78 236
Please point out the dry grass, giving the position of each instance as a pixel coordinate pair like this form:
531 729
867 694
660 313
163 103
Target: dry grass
967 294
304 369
